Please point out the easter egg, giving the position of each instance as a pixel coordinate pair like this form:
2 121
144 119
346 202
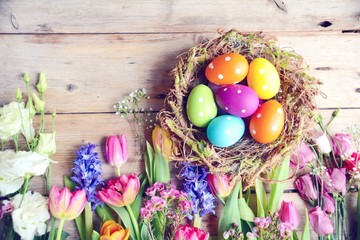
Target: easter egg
263 78
200 106
238 100
225 130
226 69
267 122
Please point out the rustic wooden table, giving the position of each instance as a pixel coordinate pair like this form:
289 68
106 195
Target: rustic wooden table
96 52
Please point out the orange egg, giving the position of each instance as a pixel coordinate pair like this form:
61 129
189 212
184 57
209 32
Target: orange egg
267 122
229 68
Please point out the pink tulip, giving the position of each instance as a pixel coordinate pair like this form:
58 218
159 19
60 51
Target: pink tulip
305 186
322 142
116 150
352 162
121 191
66 205
329 204
302 157
342 144
320 222
289 214
335 181
220 185
186 232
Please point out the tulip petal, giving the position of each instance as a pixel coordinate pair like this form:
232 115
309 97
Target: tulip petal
124 147
76 205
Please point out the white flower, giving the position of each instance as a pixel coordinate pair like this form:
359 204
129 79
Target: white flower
13 119
15 166
322 141
30 218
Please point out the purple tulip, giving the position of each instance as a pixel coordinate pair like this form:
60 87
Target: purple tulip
320 222
305 186
302 157
342 144
289 214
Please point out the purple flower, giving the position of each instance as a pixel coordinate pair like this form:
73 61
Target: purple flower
87 172
197 188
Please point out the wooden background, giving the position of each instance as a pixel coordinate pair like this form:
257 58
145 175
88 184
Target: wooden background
96 52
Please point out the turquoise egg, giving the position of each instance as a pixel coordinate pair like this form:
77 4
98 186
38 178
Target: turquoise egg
225 130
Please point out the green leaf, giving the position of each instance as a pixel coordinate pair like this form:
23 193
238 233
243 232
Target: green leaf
245 211
295 236
230 212
125 218
281 172
95 235
64 235
261 199
149 163
136 205
68 183
80 226
52 229
161 167
104 213
306 232
144 228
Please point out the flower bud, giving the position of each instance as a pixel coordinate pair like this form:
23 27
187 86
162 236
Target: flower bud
47 144
30 106
41 86
322 142
39 104
289 214
220 185
161 139
18 95
26 78
116 150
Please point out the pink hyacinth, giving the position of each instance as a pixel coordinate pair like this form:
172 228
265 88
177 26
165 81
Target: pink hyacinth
186 232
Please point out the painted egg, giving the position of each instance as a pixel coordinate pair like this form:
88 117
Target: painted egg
267 122
263 78
200 106
237 100
226 69
225 130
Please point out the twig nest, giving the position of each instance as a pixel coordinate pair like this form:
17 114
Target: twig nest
247 158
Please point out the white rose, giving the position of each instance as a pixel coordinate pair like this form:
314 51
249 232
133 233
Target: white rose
15 166
13 119
30 218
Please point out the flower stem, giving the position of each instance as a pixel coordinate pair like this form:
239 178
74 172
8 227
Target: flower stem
117 168
197 221
88 221
134 222
60 228
48 179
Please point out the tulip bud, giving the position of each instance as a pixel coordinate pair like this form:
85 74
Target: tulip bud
41 86
320 222
289 214
18 95
116 150
66 205
220 185
161 139
39 104
112 230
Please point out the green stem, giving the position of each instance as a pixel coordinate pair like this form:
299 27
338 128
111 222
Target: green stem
25 189
60 228
16 137
117 168
197 221
88 221
48 179
134 222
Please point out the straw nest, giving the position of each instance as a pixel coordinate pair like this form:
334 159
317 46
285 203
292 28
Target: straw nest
247 159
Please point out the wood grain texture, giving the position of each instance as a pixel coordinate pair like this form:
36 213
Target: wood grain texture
87 73
93 16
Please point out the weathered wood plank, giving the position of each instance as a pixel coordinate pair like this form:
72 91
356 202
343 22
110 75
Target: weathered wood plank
81 70
176 16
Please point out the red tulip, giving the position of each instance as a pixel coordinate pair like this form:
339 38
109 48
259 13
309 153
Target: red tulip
320 222
289 214
220 185
66 205
342 144
302 157
121 191
186 232
116 150
305 186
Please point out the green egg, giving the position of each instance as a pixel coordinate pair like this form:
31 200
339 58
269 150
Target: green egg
201 107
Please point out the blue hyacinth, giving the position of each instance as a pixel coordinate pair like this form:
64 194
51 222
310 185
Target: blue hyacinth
196 186
87 172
